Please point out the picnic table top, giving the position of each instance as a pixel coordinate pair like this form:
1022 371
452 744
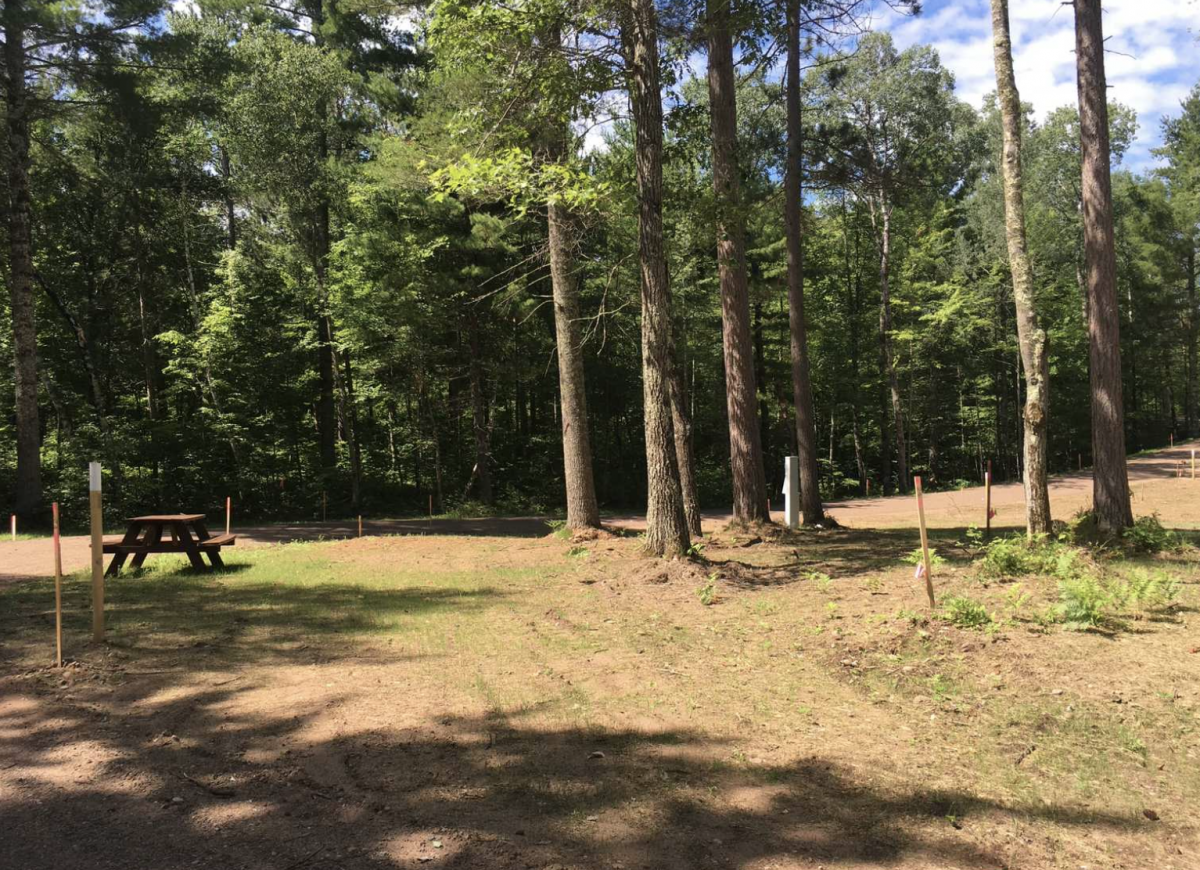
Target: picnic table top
167 518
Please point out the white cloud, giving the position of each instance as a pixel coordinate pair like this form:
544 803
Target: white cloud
1150 62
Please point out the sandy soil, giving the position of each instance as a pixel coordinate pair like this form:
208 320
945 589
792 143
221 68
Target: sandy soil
1176 500
531 705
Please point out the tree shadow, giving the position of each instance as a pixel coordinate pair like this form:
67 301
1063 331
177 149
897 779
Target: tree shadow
180 778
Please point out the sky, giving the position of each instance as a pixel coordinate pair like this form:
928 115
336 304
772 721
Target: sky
1152 47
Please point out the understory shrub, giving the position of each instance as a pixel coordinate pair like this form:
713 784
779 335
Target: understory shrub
965 612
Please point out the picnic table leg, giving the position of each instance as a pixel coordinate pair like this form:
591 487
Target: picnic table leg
214 553
189 545
153 536
131 536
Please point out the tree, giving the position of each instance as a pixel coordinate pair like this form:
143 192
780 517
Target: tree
666 525
526 55
1181 148
806 436
745 441
1110 477
892 132
1034 353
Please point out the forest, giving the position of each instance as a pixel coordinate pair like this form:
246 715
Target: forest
475 256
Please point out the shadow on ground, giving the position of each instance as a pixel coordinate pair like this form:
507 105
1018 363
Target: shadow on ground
184 783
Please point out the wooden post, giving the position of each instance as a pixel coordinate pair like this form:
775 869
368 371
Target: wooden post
987 498
228 513
13 523
57 588
97 553
924 542
1081 462
431 505
868 487
360 525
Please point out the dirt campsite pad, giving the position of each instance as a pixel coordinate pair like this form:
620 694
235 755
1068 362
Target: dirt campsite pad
511 702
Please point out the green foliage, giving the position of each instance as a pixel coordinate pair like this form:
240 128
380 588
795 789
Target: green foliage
965 612
1147 535
1084 602
708 592
917 556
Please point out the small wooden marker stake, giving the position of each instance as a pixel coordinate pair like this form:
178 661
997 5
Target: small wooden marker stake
57 588
868 487
987 498
431 505
924 542
97 553
360 525
228 513
14 526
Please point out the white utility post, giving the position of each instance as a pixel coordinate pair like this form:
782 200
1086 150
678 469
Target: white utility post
791 491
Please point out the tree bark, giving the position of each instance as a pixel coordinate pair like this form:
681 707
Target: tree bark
326 411
482 472
1110 478
1032 338
582 510
28 494
666 525
685 456
1193 326
741 391
811 508
884 229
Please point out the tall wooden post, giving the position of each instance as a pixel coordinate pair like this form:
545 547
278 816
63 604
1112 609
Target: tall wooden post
97 553
57 589
987 498
228 513
924 542
13 523
360 525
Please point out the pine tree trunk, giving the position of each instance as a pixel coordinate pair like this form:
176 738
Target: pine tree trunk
482 472
1193 324
666 525
885 341
1110 478
1032 337
806 436
684 454
326 412
741 391
582 509
28 495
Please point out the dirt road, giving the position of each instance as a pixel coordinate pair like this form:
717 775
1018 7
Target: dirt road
1156 489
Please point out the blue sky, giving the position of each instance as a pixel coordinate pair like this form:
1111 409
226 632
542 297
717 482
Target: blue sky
1151 62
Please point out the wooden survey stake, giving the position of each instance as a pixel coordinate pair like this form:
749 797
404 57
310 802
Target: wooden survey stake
360 525
228 512
97 553
924 542
57 589
987 498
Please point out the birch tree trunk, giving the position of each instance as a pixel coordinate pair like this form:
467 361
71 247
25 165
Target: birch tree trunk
741 391
1034 356
666 525
28 494
806 437
1110 477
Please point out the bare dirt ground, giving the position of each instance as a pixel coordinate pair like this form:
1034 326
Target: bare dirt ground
1155 487
480 702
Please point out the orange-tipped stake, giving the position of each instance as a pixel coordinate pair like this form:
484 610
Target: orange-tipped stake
57 588
924 568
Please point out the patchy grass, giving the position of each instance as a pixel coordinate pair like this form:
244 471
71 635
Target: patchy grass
793 698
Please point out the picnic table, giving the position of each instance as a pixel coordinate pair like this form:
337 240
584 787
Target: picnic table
166 533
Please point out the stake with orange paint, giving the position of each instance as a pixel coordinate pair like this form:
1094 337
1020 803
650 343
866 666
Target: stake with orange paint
57 588
924 544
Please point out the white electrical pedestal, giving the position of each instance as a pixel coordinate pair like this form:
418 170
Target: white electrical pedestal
791 491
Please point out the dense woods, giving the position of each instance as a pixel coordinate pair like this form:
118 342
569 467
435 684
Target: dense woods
433 257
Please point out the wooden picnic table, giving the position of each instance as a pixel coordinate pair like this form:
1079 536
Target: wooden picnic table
166 533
